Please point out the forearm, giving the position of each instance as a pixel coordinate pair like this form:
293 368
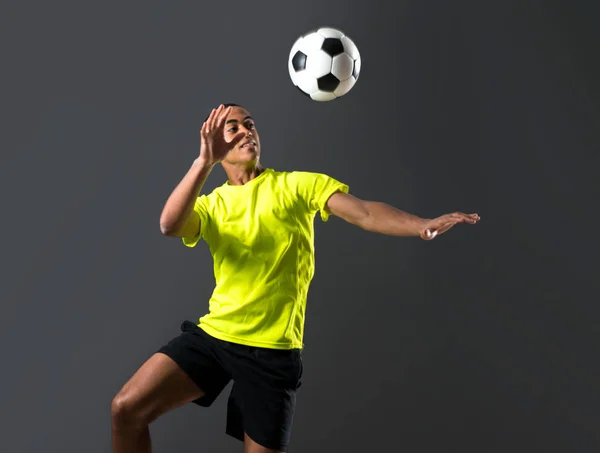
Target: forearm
385 219
180 203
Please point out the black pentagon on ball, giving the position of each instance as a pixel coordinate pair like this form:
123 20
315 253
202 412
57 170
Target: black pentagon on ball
332 46
299 61
328 82
355 71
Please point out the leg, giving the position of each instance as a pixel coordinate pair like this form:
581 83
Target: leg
157 387
261 406
252 447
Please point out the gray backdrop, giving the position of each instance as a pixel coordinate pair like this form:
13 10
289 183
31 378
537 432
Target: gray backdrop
484 340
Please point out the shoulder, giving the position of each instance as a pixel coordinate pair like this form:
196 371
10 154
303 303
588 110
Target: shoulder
211 199
298 181
286 177
312 180
299 176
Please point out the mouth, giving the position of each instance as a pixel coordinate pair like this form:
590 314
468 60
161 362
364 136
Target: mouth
249 144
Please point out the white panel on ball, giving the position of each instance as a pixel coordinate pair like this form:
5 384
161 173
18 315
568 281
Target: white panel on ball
323 96
342 66
330 32
318 64
344 86
311 43
306 82
350 48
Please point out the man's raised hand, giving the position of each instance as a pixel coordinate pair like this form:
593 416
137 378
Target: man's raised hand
213 145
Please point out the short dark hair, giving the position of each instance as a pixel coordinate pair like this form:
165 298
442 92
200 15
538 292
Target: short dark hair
229 104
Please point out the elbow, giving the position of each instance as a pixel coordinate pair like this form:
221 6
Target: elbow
167 228
367 223
366 219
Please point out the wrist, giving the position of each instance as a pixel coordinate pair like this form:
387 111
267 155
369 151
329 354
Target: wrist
203 163
418 226
421 226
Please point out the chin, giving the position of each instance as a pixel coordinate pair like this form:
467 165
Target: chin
244 158
247 154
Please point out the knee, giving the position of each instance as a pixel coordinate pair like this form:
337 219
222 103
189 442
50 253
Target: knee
124 410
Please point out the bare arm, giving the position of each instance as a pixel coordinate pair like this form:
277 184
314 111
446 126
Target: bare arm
178 217
382 218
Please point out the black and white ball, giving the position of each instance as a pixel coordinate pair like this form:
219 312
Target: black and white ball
324 64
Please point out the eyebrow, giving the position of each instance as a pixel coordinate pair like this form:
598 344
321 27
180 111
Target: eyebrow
235 121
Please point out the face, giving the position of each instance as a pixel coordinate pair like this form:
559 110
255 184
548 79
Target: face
248 148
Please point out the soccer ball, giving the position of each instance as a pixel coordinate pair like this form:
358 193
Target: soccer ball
324 64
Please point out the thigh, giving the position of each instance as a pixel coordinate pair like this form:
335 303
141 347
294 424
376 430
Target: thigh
262 403
265 415
199 356
184 370
250 446
158 386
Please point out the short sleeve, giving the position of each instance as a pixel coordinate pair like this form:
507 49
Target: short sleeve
316 189
201 208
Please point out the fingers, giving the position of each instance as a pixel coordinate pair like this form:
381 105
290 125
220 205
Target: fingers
445 227
457 217
223 117
210 118
220 117
471 218
204 130
431 233
460 217
216 119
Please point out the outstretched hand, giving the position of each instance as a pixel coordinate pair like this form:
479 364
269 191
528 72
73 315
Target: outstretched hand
440 225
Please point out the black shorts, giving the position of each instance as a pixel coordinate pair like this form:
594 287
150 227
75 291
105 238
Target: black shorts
263 396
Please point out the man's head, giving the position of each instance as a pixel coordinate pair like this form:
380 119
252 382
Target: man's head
247 151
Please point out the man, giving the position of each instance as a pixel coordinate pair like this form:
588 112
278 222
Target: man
259 228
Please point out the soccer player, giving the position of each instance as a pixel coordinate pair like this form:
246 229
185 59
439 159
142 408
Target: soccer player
259 228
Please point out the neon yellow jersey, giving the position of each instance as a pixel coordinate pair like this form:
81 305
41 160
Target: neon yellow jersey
261 237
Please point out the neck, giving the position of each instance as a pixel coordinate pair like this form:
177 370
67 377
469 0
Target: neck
240 174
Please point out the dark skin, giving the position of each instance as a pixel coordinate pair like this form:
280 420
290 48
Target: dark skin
229 137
